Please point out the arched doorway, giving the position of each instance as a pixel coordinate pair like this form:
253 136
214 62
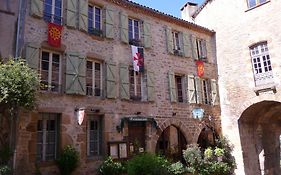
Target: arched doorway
207 137
171 143
259 127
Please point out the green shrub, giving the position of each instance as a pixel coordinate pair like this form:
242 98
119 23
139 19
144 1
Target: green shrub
218 161
5 170
109 167
5 154
177 169
148 164
68 160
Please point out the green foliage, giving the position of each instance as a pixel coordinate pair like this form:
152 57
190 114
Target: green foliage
68 160
5 154
218 161
18 85
148 164
5 170
109 167
177 169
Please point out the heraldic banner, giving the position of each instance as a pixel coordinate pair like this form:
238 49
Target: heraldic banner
54 34
138 58
200 68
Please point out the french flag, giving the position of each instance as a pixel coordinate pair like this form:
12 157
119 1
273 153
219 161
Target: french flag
138 58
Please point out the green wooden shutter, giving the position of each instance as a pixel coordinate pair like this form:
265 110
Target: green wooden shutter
111 80
214 92
109 23
32 55
172 86
124 27
194 47
169 38
204 49
147 34
36 8
83 15
75 74
186 45
199 94
150 85
191 98
124 82
71 13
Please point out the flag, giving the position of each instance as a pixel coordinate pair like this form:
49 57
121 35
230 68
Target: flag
138 59
54 34
200 68
80 116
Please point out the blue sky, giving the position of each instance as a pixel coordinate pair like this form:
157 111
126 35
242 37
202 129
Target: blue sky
171 7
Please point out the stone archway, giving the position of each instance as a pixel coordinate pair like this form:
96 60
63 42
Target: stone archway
259 127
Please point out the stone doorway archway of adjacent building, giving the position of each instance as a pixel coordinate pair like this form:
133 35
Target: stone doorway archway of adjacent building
259 127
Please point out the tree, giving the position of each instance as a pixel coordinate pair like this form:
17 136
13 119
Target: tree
18 89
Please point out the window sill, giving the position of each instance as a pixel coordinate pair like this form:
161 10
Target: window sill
249 9
95 37
7 12
265 88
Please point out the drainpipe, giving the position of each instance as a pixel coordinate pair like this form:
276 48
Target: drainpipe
18 29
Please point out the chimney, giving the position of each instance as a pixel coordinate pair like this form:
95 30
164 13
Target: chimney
188 10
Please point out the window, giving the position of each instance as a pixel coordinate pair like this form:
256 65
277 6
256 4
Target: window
94 20
50 71
94 136
53 11
179 87
47 136
135 79
205 91
176 42
253 3
261 64
94 78
201 49
134 29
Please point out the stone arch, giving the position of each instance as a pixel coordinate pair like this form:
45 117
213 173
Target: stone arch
191 134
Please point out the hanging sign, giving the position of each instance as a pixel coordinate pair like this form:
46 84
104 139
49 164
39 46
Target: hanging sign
80 116
54 34
200 68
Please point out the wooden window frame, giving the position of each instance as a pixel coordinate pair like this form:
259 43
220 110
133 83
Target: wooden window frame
180 98
53 15
45 117
200 49
176 41
99 120
141 74
133 29
94 17
49 88
206 91
93 78
257 3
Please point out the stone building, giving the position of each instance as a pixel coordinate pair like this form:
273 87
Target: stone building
92 73
248 43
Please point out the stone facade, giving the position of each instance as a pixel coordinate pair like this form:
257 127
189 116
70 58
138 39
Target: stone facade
244 104
115 113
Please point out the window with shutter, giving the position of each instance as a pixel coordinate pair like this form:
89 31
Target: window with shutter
32 55
199 92
111 91
83 15
72 13
172 86
187 46
214 92
134 31
50 71
36 8
53 11
194 47
150 85
191 90
124 27
146 34
136 81
205 91
124 82
169 38
95 20
109 22
94 79
201 49
75 74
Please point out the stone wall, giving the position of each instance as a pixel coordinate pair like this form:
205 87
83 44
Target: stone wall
237 28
